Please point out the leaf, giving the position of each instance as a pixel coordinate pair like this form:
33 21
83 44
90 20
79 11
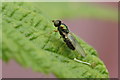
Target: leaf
29 39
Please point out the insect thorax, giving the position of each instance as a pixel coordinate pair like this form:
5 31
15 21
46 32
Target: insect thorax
64 28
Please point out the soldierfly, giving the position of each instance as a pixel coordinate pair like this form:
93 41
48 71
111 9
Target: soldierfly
69 39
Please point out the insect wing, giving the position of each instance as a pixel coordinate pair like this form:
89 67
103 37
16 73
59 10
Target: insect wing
75 43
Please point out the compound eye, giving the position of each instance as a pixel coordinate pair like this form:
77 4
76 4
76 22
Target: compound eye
57 23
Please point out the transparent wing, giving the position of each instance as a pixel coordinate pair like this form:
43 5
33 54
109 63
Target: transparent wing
75 43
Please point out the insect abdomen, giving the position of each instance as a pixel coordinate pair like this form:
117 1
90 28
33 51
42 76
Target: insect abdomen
69 44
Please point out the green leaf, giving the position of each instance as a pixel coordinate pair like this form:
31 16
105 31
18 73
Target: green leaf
29 39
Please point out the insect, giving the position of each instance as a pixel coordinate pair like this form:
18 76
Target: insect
69 39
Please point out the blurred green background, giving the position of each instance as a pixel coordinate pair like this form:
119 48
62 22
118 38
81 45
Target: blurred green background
74 10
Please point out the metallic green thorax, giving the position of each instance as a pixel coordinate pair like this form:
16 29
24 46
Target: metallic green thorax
64 28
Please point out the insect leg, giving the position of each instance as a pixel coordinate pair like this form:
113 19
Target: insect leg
55 30
82 61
